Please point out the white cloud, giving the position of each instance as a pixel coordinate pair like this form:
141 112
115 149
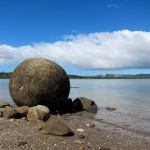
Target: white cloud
108 50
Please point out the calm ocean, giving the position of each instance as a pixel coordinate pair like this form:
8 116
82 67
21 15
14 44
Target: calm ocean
130 97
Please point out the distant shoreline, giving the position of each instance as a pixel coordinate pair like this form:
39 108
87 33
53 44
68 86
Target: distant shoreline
7 75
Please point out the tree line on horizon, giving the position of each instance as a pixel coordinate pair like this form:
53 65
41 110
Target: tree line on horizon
7 75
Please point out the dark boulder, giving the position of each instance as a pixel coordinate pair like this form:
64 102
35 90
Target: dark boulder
38 81
82 103
66 106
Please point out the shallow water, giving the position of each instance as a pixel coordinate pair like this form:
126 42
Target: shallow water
4 91
130 97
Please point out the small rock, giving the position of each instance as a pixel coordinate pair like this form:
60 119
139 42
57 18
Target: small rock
89 145
110 108
23 110
56 126
4 104
82 103
38 112
12 119
23 118
80 130
81 136
40 124
22 143
91 125
9 112
103 148
78 142
82 148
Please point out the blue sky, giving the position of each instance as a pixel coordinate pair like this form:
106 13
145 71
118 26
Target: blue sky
26 22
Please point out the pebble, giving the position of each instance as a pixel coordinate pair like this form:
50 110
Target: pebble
104 148
80 130
23 118
81 136
12 119
91 125
89 145
82 148
78 142
22 143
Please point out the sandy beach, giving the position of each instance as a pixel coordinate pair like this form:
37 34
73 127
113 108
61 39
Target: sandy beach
17 134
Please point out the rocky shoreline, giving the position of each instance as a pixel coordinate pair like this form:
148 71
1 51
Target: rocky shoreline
18 133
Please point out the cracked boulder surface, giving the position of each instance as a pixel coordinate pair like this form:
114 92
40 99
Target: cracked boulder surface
38 81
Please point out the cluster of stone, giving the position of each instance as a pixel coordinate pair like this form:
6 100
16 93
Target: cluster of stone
40 89
41 115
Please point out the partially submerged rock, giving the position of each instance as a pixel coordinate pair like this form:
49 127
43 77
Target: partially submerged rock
83 103
111 108
4 104
92 109
56 126
38 81
37 113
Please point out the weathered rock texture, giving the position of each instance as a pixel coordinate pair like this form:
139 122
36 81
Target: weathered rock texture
38 113
9 112
56 126
38 81
23 110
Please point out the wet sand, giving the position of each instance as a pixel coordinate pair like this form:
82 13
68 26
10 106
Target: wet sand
20 134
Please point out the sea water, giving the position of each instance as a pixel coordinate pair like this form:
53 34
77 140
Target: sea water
130 97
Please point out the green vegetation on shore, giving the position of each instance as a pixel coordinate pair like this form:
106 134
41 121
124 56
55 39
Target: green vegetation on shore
6 75
112 76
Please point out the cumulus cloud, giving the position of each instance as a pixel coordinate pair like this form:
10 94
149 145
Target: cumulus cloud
107 50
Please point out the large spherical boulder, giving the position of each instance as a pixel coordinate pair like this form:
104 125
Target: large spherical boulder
38 81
